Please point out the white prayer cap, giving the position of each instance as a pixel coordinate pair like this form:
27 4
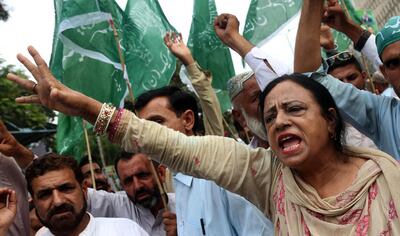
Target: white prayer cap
235 84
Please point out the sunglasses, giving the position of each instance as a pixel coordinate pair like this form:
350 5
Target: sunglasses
342 56
393 63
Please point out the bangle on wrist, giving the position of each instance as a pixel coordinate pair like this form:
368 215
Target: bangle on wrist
103 119
112 129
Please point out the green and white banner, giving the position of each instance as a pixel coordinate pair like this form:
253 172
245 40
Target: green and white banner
209 51
85 58
150 64
266 17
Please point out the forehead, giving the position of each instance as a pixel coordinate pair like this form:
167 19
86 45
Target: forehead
288 91
86 167
250 86
158 106
344 71
391 51
138 163
53 178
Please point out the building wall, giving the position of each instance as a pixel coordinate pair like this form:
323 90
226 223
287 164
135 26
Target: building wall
383 9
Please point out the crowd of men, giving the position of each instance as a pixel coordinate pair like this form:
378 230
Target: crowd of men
61 193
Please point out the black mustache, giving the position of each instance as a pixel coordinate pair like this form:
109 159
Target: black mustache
60 209
143 190
100 182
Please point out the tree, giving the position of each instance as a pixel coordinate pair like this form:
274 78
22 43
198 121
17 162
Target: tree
22 115
3 11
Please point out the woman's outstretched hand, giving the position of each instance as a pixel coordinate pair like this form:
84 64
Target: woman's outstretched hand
52 93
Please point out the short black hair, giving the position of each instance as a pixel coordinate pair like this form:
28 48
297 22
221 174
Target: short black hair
321 96
125 156
85 160
179 101
51 162
341 63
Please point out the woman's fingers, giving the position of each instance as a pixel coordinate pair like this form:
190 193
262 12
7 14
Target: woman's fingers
29 99
41 64
30 66
25 83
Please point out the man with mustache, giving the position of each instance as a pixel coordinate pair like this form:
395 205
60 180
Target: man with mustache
99 177
202 207
55 183
140 201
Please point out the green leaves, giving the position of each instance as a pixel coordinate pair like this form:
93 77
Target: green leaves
22 115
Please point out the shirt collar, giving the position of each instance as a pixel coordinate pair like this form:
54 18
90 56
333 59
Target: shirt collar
184 179
90 228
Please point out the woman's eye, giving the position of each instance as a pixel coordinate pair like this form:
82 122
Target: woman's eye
295 109
268 119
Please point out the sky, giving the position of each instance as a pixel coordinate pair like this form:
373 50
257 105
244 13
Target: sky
32 23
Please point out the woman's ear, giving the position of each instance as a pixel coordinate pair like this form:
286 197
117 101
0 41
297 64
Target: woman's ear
332 121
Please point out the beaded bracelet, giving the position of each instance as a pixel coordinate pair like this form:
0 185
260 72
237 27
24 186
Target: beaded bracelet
103 119
114 125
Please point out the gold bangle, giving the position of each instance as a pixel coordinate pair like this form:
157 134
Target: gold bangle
103 119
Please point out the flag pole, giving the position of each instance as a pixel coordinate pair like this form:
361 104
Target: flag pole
234 136
132 98
89 153
101 151
128 84
364 61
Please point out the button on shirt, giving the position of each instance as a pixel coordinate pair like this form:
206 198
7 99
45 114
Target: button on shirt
104 204
105 226
204 207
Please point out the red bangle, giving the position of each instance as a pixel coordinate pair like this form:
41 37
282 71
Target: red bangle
114 125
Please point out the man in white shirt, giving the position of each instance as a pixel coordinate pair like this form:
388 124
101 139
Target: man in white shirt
55 183
140 201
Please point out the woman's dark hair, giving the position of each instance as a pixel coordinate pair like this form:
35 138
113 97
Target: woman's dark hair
321 96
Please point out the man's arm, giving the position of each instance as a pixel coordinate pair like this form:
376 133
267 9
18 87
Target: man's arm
9 146
212 116
372 115
229 164
265 66
104 204
307 56
335 17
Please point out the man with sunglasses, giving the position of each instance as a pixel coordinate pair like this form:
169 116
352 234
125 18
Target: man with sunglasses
377 117
345 67
368 44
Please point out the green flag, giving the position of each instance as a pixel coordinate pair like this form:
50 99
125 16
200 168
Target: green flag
367 20
341 40
209 51
364 18
150 64
85 58
266 16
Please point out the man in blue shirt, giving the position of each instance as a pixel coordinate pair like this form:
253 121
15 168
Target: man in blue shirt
378 117
202 208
